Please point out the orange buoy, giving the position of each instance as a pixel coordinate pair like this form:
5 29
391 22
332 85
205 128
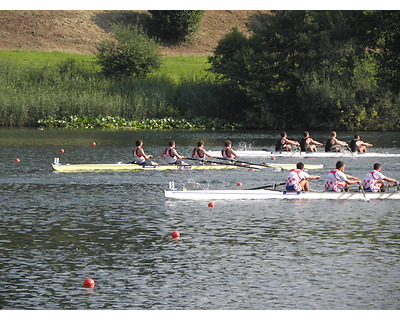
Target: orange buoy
239 184
17 160
175 235
211 205
62 150
88 283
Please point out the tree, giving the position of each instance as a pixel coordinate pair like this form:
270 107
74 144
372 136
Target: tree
307 69
177 25
132 53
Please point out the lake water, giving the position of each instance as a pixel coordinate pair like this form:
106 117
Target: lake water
57 229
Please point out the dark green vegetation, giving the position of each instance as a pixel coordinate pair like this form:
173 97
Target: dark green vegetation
132 53
176 25
317 69
298 70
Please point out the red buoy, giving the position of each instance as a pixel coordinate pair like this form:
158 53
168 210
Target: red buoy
93 143
272 158
239 184
17 160
88 283
211 205
62 150
175 235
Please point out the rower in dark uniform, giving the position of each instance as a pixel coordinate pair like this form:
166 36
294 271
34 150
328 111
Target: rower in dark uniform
284 144
308 144
356 145
333 144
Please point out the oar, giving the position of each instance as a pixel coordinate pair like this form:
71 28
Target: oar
249 163
347 148
268 186
218 162
363 192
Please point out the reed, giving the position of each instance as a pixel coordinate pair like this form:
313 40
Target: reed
43 86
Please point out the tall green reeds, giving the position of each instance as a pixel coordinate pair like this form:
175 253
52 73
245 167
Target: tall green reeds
33 92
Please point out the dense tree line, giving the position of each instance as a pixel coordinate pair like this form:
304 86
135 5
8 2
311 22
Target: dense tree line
316 69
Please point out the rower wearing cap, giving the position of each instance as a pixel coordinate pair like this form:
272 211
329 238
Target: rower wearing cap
374 181
297 179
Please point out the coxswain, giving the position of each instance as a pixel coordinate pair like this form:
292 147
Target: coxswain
284 144
356 145
308 144
199 153
297 179
339 181
333 144
374 181
172 156
140 157
227 152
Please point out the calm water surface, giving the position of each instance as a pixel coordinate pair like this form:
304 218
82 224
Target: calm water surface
58 229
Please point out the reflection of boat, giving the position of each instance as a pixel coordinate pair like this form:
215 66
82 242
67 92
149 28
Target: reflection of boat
275 194
299 154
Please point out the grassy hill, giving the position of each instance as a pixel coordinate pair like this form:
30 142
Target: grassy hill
77 31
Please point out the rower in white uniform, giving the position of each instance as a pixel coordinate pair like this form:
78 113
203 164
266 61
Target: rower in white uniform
140 157
199 153
227 152
172 156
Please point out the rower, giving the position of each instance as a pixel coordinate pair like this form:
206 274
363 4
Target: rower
199 153
374 181
308 144
140 156
356 145
227 152
297 179
339 181
333 144
172 156
284 144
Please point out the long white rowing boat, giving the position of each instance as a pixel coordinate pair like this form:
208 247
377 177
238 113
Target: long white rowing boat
134 167
275 194
299 154
162 167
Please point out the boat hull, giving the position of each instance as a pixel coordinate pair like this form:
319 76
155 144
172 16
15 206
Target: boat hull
273 194
133 167
298 154
136 167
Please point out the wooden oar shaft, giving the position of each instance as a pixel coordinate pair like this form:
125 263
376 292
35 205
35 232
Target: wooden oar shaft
268 186
218 162
250 163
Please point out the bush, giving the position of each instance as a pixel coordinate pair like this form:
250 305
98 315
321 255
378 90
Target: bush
132 53
177 24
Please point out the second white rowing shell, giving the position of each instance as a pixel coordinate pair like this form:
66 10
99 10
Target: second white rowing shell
298 154
274 194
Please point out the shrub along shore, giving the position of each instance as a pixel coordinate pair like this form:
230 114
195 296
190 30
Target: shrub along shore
66 90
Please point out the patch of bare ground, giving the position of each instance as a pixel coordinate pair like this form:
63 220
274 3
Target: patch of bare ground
78 31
